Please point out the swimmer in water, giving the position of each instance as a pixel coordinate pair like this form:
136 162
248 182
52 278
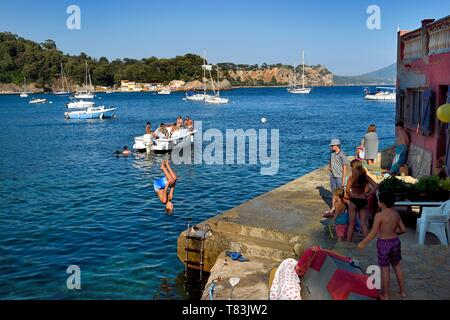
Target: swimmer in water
163 184
125 151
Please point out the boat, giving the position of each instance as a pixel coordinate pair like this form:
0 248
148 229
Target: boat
216 99
80 104
92 113
24 94
86 94
148 142
295 88
37 100
381 93
192 96
65 84
164 91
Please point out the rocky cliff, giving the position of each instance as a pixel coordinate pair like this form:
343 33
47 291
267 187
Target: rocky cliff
314 76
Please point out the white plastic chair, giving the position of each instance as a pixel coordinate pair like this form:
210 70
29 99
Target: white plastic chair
436 221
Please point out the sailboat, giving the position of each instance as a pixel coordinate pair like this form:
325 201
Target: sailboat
295 88
216 99
201 96
24 94
65 84
86 94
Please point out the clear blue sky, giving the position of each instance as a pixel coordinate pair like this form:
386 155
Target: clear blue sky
333 33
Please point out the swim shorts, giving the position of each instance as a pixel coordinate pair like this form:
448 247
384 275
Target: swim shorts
160 184
389 252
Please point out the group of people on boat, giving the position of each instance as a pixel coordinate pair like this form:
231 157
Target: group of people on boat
166 130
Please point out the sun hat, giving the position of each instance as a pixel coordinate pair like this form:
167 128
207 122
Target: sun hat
335 142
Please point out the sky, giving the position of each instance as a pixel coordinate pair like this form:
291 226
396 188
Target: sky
333 33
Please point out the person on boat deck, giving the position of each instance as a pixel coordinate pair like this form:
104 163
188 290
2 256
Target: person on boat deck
163 184
148 128
388 226
360 187
188 123
125 151
179 122
401 148
162 132
175 128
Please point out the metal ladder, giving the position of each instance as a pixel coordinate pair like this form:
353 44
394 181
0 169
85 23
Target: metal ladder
197 235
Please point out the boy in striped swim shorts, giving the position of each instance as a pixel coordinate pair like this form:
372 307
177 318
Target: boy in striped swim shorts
387 225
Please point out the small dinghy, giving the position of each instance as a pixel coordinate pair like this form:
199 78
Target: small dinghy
92 113
37 100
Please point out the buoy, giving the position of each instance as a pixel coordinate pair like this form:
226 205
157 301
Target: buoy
263 120
443 113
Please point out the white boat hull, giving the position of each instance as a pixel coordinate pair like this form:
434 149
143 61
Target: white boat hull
197 97
299 90
381 96
35 101
92 113
61 93
164 92
80 104
23 95
84 96
216 100
148 143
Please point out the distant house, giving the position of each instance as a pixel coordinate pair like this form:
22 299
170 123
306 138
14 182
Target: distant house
423 82
132 86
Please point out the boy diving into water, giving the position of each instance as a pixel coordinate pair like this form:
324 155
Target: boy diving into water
162 185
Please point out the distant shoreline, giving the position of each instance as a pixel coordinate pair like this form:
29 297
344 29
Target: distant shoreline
234 87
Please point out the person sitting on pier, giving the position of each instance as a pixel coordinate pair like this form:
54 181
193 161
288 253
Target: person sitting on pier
162 185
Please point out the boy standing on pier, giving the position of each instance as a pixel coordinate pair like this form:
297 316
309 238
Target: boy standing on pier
338 165
388 225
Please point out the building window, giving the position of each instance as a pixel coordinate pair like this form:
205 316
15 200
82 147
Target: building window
414 107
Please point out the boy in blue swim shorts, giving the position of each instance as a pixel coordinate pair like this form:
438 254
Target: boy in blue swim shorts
387 225
163 184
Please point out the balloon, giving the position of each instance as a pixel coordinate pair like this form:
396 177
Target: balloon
443 113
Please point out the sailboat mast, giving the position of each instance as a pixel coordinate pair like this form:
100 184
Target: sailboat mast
204 73
218 81
303 69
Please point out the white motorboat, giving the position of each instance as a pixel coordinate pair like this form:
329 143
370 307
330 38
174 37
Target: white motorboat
92 113
295 89
164 91
37 100
65 84
86 94
80 104
381 93
23 95
149 142
216 100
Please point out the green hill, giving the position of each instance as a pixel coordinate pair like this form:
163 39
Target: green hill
384 76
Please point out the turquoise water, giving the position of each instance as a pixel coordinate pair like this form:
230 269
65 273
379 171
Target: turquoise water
66 200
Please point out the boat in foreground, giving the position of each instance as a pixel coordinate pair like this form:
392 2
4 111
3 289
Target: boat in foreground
92 113
381 93
37 100
149 143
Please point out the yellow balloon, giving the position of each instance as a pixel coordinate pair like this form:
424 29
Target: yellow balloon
443 113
